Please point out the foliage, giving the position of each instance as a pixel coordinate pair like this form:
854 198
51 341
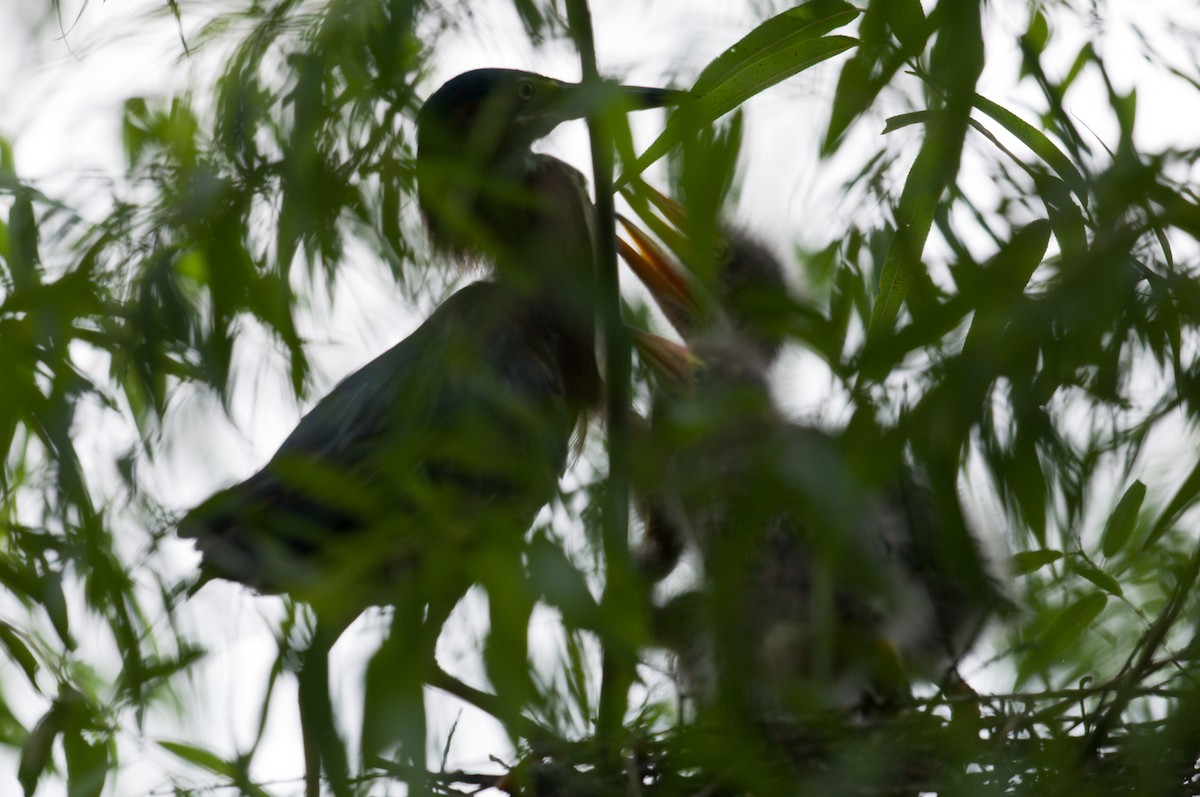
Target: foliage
1021 312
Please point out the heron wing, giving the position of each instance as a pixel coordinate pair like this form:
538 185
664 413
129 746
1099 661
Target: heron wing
459 425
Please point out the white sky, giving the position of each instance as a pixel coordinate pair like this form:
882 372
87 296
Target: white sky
60 102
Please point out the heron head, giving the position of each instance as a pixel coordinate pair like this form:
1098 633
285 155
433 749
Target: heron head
498 112
474 165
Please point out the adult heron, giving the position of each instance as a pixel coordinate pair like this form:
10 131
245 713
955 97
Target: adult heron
418 474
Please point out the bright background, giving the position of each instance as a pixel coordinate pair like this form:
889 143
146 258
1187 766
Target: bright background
62 85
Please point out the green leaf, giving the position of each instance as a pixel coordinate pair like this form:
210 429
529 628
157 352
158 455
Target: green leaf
1071 621
1027 562
907 20
860 82
87 765
1037 35
855 92
894 123
895 280
205 759
1085 55
1027 482
23 258
955 65
1184 497
779 48
393 702
135 129
54 601
8 165
1067 626
1010 271
561 585
777 36
19 652
1041 145
1097 576
1121 522
12 733
36 754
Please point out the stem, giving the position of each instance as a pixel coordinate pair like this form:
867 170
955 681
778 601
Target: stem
617 667
489 704
323 749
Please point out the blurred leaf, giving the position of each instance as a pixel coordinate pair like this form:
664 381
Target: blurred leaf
907 20
1006 276
1121 522
393 702
1097 576
773 38
895 281
23 259
774 51
864 73
955 65
198 756
207 760
561 585
1067 625
900 121
55 604
87 765
8 166
1038 33
1027 562
1086 55
36 755
19 652
12 733
1037 141
510 606
1184 497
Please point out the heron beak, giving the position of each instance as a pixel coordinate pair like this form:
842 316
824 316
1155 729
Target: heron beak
577 100
673 290
641 98
671 361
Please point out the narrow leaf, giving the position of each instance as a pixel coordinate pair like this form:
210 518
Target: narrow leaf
895 280
1123 519
1039 142
774 51
205 759
1028 561
778 34
1097 576
1071 621
1009 271
907 20
1184 497
35 755
1067 626
87 765
54 601
894 123
19 652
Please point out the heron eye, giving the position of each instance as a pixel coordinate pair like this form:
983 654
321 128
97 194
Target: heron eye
722 252
526 89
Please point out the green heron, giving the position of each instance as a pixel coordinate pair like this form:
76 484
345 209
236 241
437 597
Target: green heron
418 475
818 573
